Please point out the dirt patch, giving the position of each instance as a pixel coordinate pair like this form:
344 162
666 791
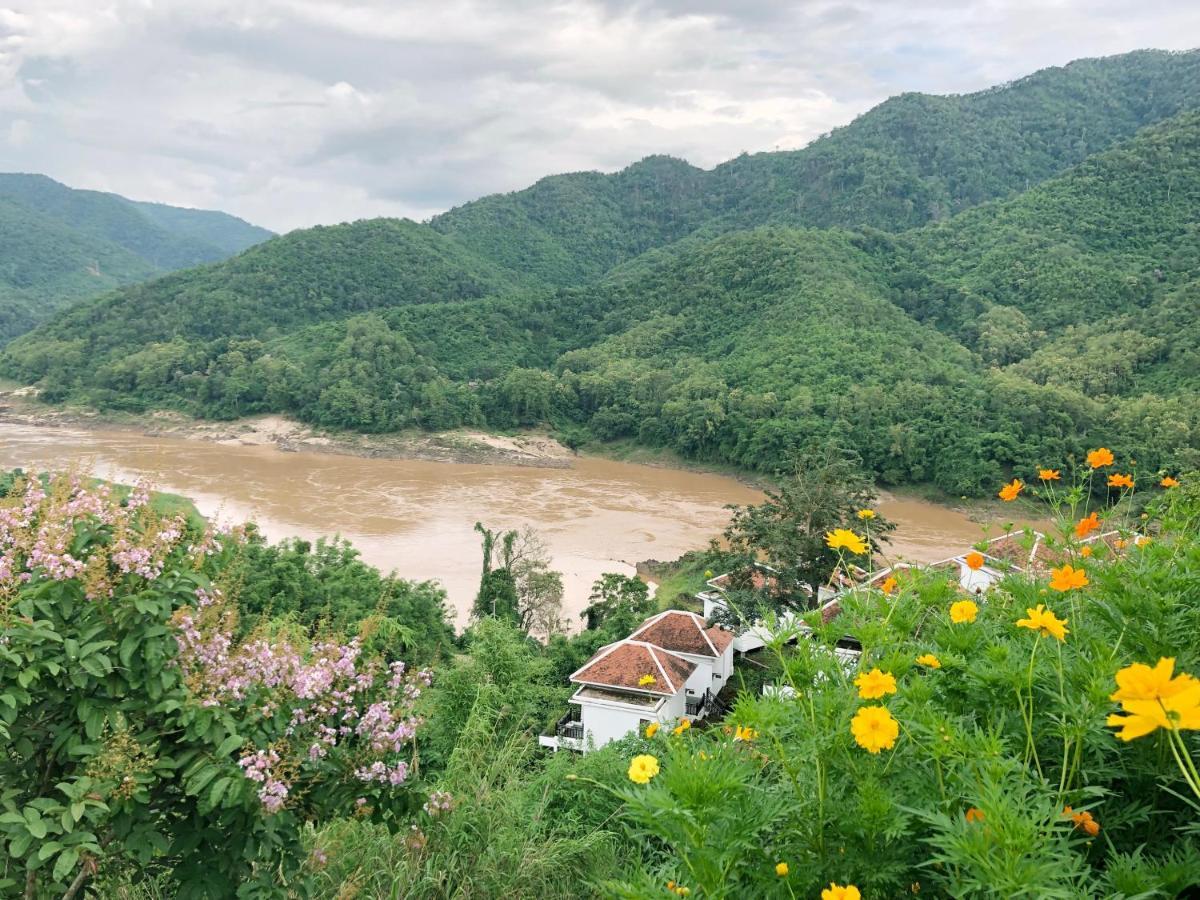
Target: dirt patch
289 436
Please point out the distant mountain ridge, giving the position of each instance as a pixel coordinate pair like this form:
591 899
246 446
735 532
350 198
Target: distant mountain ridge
59 244
952 287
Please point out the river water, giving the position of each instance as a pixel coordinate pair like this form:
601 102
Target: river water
417 517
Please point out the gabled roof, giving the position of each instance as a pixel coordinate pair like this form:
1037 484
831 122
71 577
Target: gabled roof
1023 550
625 663
683 632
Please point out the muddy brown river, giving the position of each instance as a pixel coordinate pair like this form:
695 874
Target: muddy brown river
417 517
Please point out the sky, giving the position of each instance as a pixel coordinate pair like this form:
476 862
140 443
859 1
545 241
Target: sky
292 113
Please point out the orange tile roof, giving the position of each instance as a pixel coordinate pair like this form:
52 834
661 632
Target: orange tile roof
683 632
625 664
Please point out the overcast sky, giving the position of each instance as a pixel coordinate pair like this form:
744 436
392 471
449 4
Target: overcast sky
297 112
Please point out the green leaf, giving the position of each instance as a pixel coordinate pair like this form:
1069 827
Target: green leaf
201 779
66 863
230 744
48 849
218 790
37 827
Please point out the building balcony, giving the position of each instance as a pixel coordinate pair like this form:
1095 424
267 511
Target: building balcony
697 706
568 733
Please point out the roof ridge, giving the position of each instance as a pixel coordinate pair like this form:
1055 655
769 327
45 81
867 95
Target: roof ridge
650 648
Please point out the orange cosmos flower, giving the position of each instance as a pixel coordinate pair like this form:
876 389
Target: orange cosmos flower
1009 492
1084 527
889 585
1067 578
974 815
1099 458
1049 474
1083 821
974 561
928 659
1085 551
1120 481
1169 482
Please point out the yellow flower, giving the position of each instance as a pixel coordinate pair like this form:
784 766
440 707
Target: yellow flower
1169 482
1141 540
974 815
643 768
928 659
866 514
745 733
874 729
651 729
889 585
875 684
1153 699
1120 481
844 537
1098 458
1009 492
1044 622
781 869
1139 681
1085 551
683 726
1178 713
838 892
1067 578
683 891
1049 474
974 560
645 680
963 611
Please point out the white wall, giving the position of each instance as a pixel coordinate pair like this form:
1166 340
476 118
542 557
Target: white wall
604 722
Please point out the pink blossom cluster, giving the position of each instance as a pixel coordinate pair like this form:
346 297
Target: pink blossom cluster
438 803
394 774
338 703
39 528
260 767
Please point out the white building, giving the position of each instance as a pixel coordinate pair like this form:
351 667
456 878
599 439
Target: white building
687 634
758 633
624 687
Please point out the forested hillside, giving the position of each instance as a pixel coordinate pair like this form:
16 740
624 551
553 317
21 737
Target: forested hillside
702 311
911 160
58 245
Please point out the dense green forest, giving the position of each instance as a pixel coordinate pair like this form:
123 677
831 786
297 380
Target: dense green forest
59 244
951 286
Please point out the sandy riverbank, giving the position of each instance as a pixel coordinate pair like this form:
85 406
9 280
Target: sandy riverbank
289 435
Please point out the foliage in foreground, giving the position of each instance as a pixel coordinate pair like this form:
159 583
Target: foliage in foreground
139 729
964 758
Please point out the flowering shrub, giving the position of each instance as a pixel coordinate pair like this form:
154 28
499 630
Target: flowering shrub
141 731
1038 740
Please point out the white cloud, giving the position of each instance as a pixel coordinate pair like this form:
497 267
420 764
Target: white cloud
294 112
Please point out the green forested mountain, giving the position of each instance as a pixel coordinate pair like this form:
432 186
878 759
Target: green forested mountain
58 245
911 160
651 306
